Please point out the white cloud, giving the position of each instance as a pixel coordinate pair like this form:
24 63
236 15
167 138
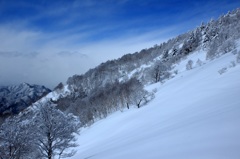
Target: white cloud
15 40
43 69
43 57
40 58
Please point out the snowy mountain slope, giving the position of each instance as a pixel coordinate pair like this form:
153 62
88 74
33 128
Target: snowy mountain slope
195 115
89 98
87 95
55 95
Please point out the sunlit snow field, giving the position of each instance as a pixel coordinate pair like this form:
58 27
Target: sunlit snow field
195 115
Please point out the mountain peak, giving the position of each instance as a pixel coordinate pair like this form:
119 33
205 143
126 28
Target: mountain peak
14 99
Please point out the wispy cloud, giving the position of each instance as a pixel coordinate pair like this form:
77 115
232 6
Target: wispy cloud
13 39
45 42
56 59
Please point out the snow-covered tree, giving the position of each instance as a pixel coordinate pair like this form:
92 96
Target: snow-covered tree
55 132
59 87
228 46
159 71
192 42
138 93
199 62
189 65
17 139
212 51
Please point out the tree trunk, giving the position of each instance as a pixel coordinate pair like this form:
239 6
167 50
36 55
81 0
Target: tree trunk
49 146
138 105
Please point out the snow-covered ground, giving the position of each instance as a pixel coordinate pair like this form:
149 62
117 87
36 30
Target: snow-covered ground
195 115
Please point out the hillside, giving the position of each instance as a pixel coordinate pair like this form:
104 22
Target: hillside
195 115
117 84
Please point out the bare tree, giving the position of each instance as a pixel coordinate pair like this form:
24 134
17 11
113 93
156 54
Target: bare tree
189 65
16 139
55 132
159 71
137 92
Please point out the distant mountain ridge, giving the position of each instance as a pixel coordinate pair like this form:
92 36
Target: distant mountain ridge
14 99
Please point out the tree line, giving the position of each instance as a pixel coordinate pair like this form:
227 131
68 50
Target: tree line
103 101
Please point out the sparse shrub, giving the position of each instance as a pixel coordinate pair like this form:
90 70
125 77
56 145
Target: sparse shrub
154 90
189 65
199 62
232 64
176 72
234 52
223 70
166 75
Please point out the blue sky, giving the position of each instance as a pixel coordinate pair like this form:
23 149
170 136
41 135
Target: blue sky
46 41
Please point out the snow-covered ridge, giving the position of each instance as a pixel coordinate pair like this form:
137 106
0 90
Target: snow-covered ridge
14 99
54 95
